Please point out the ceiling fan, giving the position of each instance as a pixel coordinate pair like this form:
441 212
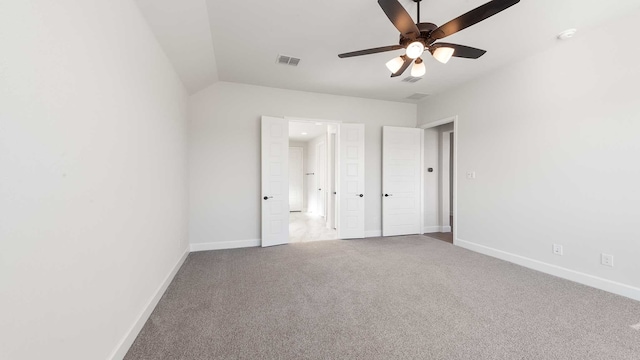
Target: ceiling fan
420 37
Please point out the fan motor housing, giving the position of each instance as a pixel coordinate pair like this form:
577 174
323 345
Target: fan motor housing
426 27
425 31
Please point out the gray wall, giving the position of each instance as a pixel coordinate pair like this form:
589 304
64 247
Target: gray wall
224 153
554 141
93 216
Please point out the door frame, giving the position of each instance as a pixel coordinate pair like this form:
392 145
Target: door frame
336 124
456 126
445 181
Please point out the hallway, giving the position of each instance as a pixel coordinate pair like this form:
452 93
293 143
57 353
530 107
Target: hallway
304 227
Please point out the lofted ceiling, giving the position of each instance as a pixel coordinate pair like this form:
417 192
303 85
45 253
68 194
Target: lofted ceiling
238 41
182 29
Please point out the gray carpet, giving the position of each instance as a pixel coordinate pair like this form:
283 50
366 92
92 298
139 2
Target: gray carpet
394 298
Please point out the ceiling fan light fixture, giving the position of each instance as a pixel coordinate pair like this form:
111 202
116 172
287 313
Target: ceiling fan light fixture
416 38
418 68
443 54
395 64
415 49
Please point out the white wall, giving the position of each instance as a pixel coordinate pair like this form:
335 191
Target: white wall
305 178
312 184
224 153
93 176
554 141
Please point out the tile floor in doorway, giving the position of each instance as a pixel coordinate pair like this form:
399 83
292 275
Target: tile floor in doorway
304 227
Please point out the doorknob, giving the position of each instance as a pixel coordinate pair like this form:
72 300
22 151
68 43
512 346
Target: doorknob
268 197
361 195
319 189
387 195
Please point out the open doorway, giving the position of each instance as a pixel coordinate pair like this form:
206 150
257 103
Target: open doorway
312 181
440 180
346 159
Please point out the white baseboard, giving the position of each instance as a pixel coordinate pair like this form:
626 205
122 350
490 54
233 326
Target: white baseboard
431 229
222 245
445 228
576 276
125 344
373 233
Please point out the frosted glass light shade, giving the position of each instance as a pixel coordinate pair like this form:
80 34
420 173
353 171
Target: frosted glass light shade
415 50
395 64
443 54
418 68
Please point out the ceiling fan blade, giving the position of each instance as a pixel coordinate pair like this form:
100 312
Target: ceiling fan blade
405 65
471 18
461 51
400 18
370 51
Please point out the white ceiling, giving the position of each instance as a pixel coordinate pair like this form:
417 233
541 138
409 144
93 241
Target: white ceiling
305 131
248 35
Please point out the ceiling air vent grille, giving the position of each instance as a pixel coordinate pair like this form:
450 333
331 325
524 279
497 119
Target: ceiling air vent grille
417 96
411 79
287 60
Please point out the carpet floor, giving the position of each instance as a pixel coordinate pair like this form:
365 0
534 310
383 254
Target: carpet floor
408 297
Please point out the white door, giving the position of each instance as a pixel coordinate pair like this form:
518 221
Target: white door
351 184
321 178
275 181
401 181
331 183
295 178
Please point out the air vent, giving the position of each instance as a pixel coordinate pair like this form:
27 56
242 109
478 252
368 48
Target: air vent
287 60
411 79
417 96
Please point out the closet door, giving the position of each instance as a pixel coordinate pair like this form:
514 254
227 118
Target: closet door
401 181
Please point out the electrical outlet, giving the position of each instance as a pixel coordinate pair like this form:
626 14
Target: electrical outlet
607 260
471 175
557 249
